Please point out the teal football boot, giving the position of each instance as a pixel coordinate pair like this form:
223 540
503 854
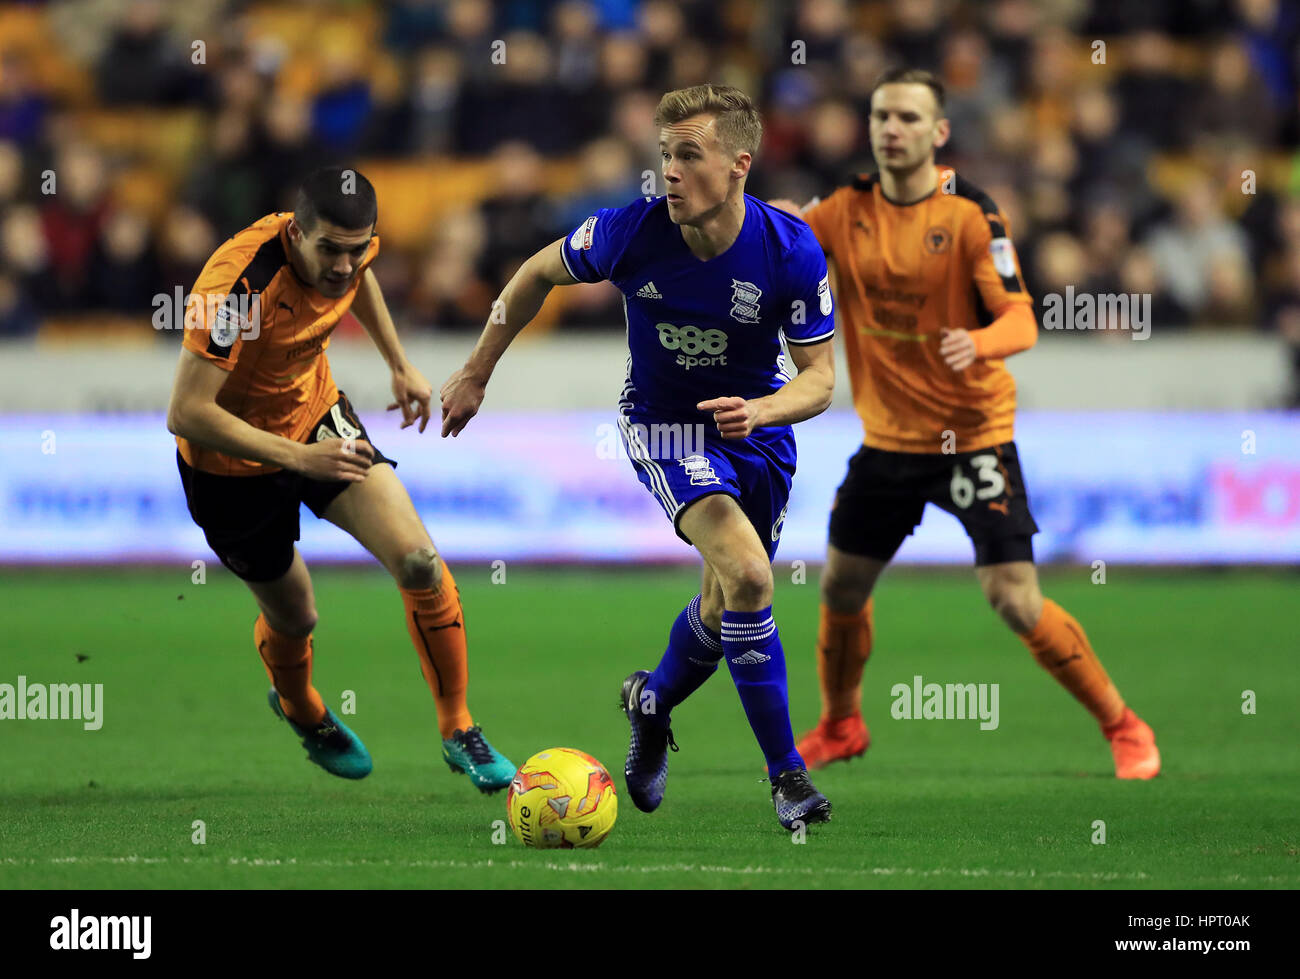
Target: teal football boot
468 753
329 744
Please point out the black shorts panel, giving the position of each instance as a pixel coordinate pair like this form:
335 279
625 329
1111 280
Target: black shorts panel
251 522
883 496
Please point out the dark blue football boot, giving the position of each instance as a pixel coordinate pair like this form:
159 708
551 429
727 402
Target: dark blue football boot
646 768
797 800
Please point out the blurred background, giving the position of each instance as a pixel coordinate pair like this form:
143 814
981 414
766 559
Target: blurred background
1136 147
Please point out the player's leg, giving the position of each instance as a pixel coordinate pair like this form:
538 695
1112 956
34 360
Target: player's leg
727 539
378 512
251 523
844 638
283 636
1061 647
282 633
877 505
694 649
985 489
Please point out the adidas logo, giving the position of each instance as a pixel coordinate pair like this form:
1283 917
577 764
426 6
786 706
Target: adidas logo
751 657
648 291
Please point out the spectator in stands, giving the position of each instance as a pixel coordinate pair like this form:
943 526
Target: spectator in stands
142 64
185 241
1234 101
26 258
1140 276
226 185
124 266
1188 249
286 149
517 216
23 107
434 97
72 218
18 315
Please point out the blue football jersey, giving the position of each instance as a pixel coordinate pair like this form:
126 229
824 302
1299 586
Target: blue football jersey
696 329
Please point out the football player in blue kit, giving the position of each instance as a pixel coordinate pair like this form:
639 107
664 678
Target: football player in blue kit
712 278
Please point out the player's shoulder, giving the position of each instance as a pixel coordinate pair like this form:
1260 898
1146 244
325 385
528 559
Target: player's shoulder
637 214
853 187
250 258
790 234
967 196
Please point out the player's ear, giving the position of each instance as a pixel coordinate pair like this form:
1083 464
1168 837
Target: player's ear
740 166
943 130
295 232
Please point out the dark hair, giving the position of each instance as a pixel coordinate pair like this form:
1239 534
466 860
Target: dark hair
912 76
339 195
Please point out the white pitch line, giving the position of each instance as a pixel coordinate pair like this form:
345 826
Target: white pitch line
590 868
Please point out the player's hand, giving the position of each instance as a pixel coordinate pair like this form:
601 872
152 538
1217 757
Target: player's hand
336 459
461 397
413 394
787 205
736 418
957 348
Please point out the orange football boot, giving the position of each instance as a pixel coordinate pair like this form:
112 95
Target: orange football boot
834 740
1133 744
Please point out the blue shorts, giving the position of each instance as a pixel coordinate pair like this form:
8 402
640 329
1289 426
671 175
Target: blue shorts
680 464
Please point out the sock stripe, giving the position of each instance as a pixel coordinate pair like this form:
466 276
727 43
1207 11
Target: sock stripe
700 629
746 626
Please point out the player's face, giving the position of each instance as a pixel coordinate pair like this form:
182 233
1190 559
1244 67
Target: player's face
906 127
698 169
329 257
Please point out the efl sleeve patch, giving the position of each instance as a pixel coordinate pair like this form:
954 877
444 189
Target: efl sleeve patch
583 236
1004 257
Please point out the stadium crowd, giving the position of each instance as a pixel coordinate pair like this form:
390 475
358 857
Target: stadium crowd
1135 147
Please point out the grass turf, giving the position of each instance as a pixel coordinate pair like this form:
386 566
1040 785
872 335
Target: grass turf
934 804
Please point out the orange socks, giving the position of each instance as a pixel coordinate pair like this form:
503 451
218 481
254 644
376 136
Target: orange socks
843 645
437 627
288 663
1061 647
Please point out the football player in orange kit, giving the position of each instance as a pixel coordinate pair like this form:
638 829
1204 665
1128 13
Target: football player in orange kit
261 428
931 301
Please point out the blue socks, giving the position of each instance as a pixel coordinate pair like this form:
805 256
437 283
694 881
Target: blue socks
753 651
690 659
757 661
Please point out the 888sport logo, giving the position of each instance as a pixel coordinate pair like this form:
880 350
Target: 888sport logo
699 348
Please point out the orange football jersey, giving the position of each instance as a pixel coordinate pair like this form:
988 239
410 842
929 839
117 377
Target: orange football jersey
903 273
251 315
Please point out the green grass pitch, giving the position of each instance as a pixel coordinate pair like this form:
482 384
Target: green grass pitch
934 804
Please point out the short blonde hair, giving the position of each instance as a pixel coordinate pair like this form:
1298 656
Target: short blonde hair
738 125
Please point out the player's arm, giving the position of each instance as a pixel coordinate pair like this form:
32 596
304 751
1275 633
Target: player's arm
194 414
1013 331
514 309
412 391
804 396
996 275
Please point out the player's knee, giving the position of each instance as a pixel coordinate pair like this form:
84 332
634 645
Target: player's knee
297 623
749 585
1018 606
419 569
844 594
